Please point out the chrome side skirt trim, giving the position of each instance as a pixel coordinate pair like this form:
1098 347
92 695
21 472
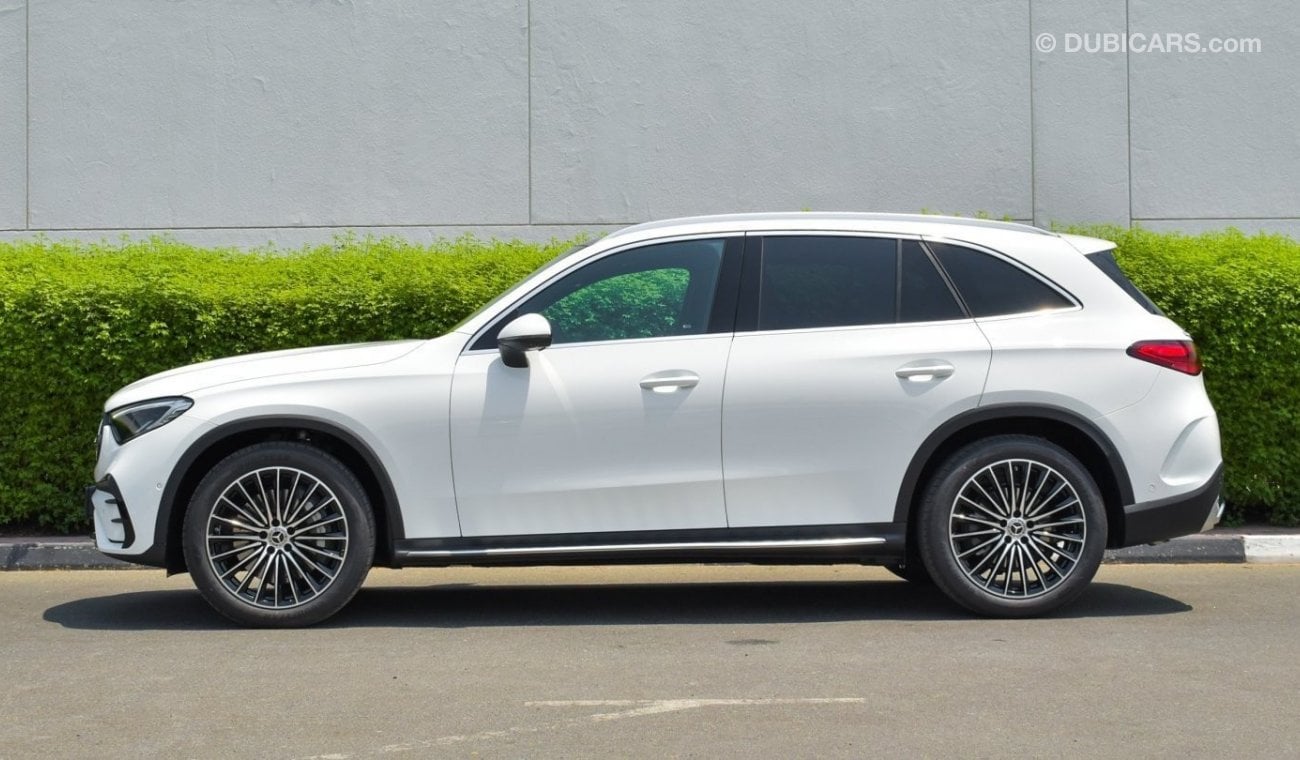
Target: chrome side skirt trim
682 546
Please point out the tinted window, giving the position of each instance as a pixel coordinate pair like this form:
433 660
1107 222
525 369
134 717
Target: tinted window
991 286
1105 261
826 281
923 295
650 292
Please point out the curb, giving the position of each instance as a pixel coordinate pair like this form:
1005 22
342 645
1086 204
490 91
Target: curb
1200 548
60 553
71 553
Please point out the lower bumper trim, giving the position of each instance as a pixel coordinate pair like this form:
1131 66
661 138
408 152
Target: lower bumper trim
113 498
1182 515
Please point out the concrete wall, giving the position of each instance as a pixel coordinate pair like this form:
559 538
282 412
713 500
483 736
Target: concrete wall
246 121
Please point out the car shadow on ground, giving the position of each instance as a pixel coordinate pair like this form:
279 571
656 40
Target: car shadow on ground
469 605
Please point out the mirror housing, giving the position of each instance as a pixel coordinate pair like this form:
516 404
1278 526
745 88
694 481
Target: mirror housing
528 332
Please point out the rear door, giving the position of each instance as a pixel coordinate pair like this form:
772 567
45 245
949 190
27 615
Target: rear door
849 351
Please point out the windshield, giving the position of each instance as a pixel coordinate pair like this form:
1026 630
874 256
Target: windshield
510 290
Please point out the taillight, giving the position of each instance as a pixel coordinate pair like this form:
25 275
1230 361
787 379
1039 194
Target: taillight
1174 354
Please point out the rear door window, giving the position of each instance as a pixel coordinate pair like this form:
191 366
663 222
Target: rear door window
923 295
826 281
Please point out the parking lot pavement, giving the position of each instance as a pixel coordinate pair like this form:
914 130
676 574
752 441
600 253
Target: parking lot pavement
688 661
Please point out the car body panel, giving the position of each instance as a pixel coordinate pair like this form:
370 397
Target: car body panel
574 444
817 426
270 364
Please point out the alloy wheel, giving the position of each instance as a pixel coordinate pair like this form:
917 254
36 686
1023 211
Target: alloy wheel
1017 529
276 537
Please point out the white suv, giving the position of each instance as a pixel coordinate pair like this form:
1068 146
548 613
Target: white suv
984 404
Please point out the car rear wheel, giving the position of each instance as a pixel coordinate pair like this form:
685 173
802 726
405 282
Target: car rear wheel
279 534
1012 526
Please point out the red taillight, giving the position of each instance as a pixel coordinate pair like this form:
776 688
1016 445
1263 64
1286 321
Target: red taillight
1174 354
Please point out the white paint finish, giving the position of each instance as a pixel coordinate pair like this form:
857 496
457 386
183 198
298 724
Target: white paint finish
1272 549
1215 135
644 110
573 444
251 367
1195 453
139 467
392 397
1057 359
817 427
1150 434
397 409
1080 118
13 114
195 114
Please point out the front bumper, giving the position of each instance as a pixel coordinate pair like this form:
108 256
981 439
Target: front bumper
125 501
1181 515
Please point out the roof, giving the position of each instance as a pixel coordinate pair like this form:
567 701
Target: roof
824 220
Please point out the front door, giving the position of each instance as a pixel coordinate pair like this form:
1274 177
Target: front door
617 425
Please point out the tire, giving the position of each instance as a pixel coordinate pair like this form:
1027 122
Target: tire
995 543
279 534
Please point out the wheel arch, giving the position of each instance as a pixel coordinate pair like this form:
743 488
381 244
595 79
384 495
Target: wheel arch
222 441
1071 431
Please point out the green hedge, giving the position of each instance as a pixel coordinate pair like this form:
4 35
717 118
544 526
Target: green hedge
80 320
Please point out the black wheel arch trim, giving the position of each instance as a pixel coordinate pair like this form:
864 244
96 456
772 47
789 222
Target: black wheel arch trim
164 554
982 414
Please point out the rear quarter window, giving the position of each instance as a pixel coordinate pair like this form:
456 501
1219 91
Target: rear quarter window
1105 261
992 287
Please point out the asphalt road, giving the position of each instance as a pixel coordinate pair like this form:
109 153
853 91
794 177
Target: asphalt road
1155 661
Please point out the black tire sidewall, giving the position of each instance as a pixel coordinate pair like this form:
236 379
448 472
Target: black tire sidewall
933 526
352 499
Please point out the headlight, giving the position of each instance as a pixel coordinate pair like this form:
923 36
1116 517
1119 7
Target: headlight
137 419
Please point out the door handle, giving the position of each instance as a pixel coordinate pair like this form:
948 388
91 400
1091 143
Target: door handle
670 380
924 371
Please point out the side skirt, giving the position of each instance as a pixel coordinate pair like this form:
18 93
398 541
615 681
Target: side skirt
875 543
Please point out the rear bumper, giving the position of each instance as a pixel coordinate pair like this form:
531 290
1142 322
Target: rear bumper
1180 515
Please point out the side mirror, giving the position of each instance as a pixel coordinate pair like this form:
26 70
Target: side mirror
530 332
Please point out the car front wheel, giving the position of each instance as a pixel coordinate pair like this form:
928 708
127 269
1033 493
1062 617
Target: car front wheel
279 534
1012 526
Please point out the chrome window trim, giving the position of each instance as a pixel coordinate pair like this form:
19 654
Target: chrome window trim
843 328
589 343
